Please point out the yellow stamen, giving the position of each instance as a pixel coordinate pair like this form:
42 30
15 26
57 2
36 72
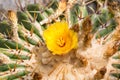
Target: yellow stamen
60 42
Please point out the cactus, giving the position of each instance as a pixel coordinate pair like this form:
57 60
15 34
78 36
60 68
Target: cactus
24 51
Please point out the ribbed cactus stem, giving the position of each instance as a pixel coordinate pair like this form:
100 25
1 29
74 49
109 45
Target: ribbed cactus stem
59 11
13 20
36 24
70 5
68 12
27 54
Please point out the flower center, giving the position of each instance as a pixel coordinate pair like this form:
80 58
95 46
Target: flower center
61 42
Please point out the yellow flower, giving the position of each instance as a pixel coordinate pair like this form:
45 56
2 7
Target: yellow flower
59 38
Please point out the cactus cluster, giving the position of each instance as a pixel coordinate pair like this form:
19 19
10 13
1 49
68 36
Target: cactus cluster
25 56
